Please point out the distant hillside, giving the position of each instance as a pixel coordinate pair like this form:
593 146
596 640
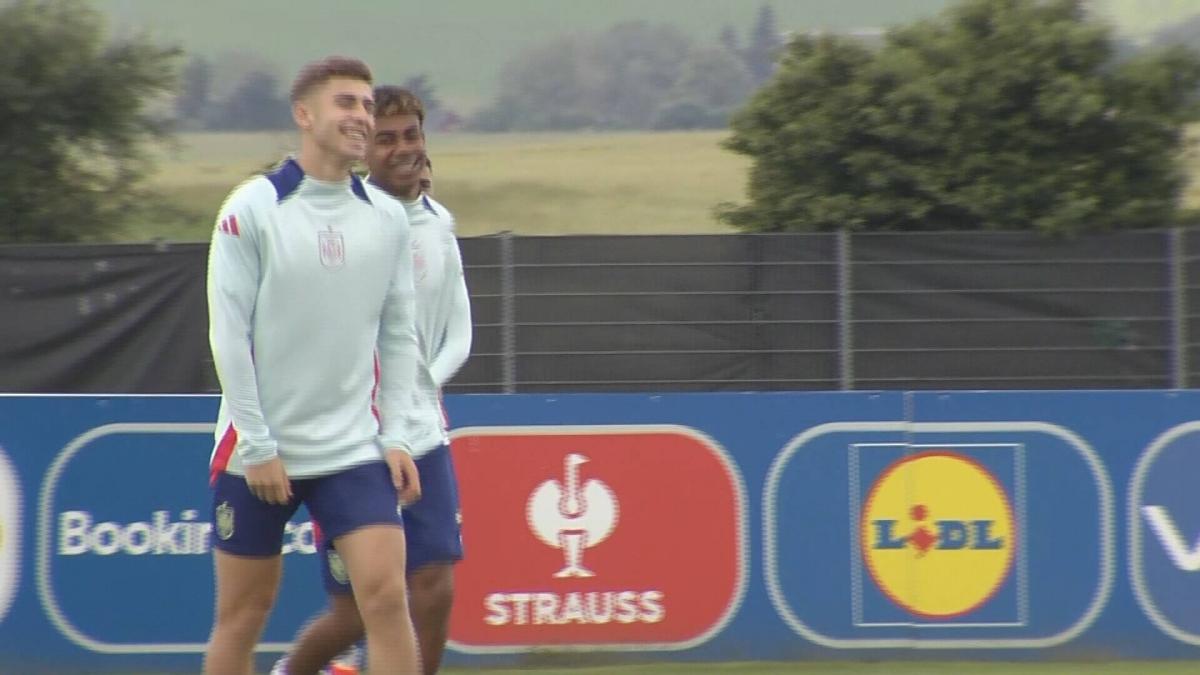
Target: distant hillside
1140 18
461 44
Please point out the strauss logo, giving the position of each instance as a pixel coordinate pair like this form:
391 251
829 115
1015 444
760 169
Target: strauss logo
571 516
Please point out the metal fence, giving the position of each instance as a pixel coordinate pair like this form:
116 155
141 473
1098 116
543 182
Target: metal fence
992 310
958 310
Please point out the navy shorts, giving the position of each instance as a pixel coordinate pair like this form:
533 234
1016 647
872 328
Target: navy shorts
431 525
245 525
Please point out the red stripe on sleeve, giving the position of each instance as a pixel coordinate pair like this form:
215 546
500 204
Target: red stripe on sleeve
221 457
375 392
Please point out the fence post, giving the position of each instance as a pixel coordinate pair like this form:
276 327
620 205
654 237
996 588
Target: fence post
1177 288
845 311
508 314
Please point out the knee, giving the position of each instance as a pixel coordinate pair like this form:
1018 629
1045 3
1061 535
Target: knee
344 612
247 611
381 597
432 585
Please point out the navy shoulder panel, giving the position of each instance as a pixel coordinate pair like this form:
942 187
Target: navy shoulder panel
357 187
286 178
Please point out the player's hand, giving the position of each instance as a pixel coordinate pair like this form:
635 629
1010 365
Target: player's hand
269 482
404 475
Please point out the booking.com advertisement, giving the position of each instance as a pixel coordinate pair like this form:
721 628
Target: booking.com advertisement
700 527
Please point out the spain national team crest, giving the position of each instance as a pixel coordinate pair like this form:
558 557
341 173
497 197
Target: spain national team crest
939 538
332 248
337 568
224 518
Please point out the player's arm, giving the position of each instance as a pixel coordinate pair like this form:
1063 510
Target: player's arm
456 346
398 358
234 271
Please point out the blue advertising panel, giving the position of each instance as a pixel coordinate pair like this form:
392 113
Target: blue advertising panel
1164 532
114 550
938 535
766 526
1103 436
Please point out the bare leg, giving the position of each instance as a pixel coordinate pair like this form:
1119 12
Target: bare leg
327 635
431 593
374 556
246 589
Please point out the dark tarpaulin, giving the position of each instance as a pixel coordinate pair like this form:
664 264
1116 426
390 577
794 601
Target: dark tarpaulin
104 319
972 310
999 310
690 312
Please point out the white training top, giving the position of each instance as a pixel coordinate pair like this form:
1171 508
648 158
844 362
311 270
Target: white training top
307 281
443 313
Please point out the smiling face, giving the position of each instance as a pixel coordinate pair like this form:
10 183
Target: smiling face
397 154
336 118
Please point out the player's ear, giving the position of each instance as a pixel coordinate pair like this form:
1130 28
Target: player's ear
301 114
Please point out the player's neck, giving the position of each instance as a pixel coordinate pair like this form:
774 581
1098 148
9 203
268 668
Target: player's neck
322 165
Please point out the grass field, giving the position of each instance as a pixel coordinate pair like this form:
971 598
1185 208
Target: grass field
882 667
526 183
865 668
861 668
598 183
876 668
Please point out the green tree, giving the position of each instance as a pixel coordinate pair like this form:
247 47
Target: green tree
544 88
763 45
195 94
255 105
997 114
618 79
713 82
728 39
638 63
75 115
437 116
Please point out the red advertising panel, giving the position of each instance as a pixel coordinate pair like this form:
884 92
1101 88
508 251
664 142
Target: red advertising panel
601 536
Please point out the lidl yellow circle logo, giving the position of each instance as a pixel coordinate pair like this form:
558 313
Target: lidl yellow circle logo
938 534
